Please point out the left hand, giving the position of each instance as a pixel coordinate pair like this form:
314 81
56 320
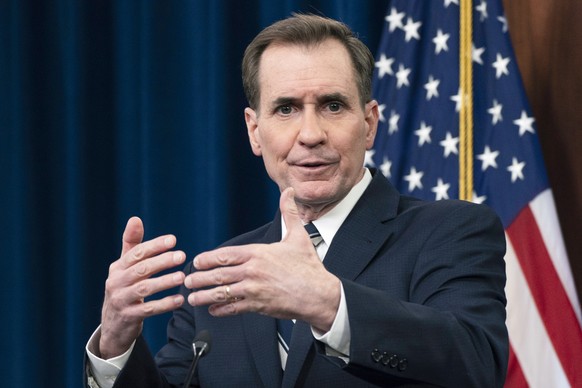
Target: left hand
283 280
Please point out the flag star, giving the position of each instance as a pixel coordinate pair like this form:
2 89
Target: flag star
432 87
476 54
411 28
414 179
503 21
384 66
440 41
402 76
457 99
423 134
495 112
393 122
449 2
385 167
516 170
368 158
477 199
500 66
394 19
441 189
525 123
487 158
482 8
450 145
381 108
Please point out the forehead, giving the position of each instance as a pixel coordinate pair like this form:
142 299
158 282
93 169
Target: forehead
296 70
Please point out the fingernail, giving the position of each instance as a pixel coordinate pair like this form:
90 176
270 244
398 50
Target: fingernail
169 241
188 283
196 263
177 278
178 300
178 257
192 299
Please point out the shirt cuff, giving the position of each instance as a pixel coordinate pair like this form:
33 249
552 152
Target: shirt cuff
338 338
105 371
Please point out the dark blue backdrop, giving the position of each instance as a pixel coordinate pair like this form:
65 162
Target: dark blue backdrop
110 109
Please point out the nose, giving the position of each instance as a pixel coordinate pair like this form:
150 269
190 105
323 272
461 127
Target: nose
312 132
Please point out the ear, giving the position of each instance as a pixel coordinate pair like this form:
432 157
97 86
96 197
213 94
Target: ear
372 116
252 130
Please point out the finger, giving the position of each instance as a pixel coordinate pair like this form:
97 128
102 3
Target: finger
132 235
226 256
220 295
290 215
151 286
227 309
155 307
214 277
147 250
153 265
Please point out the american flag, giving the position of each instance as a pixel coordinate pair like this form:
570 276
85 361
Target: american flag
416 83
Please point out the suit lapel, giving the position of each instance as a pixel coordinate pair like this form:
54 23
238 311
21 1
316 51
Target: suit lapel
364 231
261 334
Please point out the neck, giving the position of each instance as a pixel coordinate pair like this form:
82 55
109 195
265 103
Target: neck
308 212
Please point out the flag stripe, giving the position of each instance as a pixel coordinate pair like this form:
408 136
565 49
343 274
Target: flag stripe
535 353
515 377
544 209
547 290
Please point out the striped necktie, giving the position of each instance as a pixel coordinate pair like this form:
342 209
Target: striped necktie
314 235
285 326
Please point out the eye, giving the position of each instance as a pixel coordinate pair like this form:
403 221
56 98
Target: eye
334 106
285 110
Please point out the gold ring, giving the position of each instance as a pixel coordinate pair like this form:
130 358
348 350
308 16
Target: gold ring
229 297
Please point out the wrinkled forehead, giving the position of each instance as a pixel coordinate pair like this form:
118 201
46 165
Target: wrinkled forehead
314 65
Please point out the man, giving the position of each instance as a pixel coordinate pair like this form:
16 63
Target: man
400 292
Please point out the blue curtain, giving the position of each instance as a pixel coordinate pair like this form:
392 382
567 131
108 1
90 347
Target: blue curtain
110 109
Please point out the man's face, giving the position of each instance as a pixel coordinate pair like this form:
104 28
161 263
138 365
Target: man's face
310 127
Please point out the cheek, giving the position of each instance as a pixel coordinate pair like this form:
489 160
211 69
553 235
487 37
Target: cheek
351 145
276 144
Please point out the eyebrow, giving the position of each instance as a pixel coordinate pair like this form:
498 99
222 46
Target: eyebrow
320 99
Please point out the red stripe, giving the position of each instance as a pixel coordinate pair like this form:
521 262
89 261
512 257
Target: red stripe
515 377
549 295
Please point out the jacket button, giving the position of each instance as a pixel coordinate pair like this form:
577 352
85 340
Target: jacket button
376 356
394 361
402 365
385 359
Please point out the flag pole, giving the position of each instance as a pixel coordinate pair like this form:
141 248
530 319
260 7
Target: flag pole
466 106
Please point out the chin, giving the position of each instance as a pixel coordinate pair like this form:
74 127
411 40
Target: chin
313 196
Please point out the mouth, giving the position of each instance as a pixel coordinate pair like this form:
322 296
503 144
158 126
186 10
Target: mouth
313 167
312 164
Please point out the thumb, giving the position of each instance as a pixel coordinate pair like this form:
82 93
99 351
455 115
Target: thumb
290 214
132 235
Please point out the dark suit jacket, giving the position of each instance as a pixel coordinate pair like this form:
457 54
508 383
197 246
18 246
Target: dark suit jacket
424 286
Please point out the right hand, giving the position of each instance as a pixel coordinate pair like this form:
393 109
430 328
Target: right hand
130 282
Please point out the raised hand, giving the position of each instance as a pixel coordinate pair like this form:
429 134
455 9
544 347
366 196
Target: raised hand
130 281
283 280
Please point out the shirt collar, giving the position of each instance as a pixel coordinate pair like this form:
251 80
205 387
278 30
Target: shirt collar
330 222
